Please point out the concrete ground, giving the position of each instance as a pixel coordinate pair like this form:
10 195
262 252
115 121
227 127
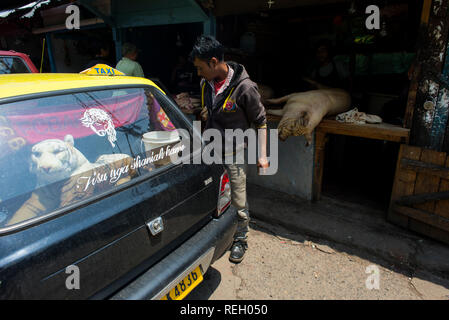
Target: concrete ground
298 250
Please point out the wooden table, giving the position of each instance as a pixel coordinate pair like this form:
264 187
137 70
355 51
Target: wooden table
381 131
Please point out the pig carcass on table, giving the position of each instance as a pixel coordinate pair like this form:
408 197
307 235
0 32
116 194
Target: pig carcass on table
303 111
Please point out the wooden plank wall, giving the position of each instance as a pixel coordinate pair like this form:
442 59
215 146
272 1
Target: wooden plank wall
442 207
429 177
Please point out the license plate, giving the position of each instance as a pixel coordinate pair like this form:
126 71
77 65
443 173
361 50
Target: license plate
182 289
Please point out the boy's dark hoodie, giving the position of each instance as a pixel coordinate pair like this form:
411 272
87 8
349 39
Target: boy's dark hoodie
243 106
237 107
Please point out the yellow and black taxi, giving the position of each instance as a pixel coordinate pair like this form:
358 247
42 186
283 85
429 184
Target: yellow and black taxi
95 202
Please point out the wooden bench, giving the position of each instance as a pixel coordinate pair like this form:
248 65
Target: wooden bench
383 131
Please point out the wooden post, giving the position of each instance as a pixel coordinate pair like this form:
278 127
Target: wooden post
210 26
320 146
429 95
117 34
414 81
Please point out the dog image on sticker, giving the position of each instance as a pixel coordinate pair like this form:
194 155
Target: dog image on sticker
101 123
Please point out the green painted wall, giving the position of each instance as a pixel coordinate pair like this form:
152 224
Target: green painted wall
134 13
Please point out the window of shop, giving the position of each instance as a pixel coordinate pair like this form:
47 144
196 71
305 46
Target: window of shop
61 150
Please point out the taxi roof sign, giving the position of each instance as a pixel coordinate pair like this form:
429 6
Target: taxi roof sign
102 70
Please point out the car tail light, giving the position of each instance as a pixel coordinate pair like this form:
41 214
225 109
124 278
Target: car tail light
224 196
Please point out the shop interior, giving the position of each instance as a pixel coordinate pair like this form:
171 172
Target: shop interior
164 52
279 48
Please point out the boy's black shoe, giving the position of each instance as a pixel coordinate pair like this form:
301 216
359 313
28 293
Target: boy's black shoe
237 251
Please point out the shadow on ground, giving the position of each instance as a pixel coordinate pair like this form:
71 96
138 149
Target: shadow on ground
353 229
205 289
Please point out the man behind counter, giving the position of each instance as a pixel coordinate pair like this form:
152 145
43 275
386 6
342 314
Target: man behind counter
327 70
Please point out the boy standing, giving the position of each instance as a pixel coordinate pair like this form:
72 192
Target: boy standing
230 100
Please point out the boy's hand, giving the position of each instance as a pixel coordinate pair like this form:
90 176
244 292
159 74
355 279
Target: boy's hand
204 114
262 164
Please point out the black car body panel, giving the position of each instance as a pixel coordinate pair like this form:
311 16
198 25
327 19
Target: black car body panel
108 239
215 238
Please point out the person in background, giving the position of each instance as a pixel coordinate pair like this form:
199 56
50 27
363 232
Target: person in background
182 76
327 71
128 64
231 101
101 54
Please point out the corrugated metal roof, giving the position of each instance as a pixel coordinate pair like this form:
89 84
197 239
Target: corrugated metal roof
26 9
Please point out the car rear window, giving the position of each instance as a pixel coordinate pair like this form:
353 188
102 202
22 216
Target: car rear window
58 151
12 65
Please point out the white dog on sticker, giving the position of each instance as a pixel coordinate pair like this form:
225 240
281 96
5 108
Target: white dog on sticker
101 123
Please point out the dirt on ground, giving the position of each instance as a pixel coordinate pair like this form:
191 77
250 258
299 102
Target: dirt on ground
282 265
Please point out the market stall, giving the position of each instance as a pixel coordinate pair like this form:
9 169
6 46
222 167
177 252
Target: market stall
397 73
279 46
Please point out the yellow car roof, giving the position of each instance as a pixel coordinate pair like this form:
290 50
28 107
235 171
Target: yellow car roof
12 85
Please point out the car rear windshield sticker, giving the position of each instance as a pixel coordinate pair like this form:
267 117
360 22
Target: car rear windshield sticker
129 167
79 179
34 127
101 123
56 151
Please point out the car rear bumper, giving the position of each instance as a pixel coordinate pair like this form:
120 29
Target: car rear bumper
202 249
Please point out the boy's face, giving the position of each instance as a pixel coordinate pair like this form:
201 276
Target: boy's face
206 70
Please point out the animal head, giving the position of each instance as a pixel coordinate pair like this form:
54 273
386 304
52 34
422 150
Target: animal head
101 123
53 159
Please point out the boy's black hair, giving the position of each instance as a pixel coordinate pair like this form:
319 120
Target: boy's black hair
206 48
